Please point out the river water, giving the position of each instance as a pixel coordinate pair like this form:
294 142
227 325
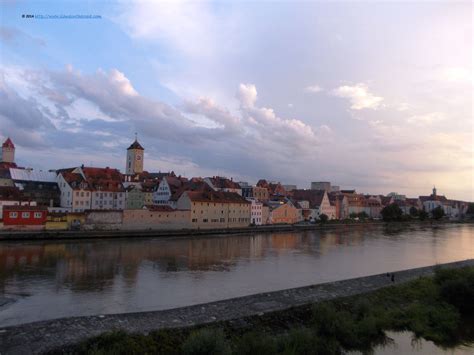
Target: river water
52 279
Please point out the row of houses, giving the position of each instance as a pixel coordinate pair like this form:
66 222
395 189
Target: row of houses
86 193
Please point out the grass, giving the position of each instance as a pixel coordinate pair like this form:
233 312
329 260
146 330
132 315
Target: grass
438 308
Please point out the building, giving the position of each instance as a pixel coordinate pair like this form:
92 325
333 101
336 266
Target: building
86 188
339 201
5 177
285 213
318 203
8 152
256 212
274 189
219 183
321 185
167 187
11 196
135 197
215 209
24 217
290 187
135 157
76 193
257 192
37 185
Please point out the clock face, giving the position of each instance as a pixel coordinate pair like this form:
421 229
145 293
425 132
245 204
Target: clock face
139 157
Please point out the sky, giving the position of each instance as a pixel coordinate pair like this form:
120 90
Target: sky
375 95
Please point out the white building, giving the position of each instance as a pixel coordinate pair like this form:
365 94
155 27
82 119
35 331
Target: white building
87 188
256 212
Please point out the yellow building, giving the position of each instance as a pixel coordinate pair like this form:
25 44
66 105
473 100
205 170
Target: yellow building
56 221
215 209
285 213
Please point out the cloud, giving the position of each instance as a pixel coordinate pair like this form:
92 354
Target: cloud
426 119
247 95
313 89
359 96
15 36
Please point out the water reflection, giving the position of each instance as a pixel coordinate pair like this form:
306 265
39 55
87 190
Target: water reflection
55 279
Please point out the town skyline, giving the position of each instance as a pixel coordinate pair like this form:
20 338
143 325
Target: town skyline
377 97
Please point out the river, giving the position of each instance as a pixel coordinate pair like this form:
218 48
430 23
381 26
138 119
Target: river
53 279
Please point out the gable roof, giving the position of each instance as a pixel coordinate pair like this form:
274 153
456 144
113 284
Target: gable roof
314 197
216 197
105 179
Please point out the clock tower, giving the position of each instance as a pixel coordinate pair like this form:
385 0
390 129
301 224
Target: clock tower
134 158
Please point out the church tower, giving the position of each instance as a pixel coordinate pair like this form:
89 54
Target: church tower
434 191
8 151
134 158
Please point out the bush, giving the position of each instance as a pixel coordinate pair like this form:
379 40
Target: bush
323 218
206 342
119 342
437 212
391 213
254 343
457 288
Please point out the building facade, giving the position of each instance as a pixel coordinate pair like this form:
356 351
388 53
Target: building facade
135 157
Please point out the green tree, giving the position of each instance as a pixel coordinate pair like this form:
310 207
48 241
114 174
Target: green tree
323 218
362 215
437 213
414 211
470 209
391 213
423 215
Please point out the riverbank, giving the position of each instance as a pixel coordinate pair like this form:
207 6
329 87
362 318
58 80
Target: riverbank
45 336
98 234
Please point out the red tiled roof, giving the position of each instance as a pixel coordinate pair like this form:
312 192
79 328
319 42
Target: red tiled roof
73 179
194 184
216 196
105 179
8 143
223 183
162 208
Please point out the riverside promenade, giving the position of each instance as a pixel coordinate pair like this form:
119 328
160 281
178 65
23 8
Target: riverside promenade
40 337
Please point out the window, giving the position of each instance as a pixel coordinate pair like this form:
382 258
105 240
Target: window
13 214
38 214
205 220
25 215
194 220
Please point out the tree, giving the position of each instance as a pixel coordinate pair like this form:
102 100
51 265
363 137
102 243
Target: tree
414 211
323 218
423 215
362 215
391 213
470 209
437 212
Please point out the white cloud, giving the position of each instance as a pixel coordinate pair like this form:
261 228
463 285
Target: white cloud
313 88
247 95
359 96
425 119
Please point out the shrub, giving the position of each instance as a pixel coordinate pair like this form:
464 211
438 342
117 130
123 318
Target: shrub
323 218
206 342
254 343
391 213
457 288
